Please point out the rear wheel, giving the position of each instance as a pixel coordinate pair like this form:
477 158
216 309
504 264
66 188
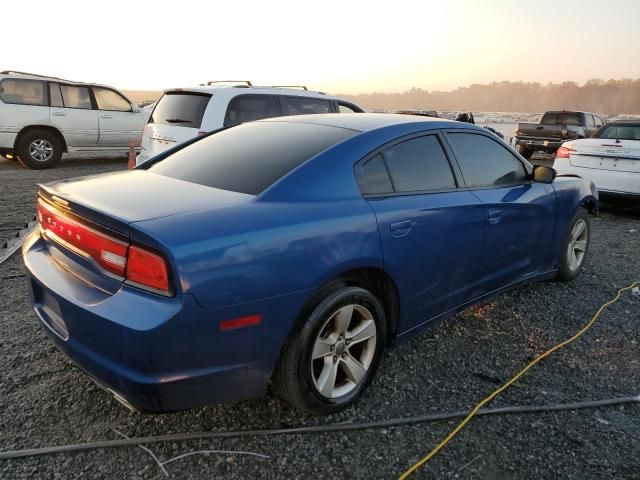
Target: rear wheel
39 149
576 246
327 365
524 151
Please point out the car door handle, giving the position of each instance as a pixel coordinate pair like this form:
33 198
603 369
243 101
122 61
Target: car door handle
59 114
105 116
494 216
401 228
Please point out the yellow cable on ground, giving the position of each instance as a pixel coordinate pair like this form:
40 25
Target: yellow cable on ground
499 390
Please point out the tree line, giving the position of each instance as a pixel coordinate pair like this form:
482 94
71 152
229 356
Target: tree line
600 96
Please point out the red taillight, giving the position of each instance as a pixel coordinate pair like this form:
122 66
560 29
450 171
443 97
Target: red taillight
109 253
564 152
148 269
132 263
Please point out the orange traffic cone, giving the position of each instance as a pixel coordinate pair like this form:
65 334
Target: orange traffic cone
132 155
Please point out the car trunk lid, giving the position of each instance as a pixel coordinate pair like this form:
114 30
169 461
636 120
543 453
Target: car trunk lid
607 154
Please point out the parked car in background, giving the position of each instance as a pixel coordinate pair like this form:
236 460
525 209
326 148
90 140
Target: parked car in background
184 113
611 159
42 117
291 250
420 113
554 128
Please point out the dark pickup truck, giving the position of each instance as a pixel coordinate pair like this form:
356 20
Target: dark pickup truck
553 130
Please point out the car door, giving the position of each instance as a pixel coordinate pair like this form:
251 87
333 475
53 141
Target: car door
430 229
519 213
119 121
73 114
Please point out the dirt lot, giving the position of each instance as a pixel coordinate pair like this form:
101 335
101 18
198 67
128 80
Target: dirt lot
46 401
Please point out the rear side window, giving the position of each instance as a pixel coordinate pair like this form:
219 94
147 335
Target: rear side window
246 108
22 92
419 164
307 105
184 109
55 96
250 157
373 177
484 162
76 97
110 100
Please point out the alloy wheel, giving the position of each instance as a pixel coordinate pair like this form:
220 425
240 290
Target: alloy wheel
577 244
343 351
41 150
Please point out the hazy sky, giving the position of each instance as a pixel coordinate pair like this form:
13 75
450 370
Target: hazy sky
338 46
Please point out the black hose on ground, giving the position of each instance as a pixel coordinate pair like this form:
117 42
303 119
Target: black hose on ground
340 427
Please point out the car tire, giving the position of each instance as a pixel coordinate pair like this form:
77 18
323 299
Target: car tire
575 247
524 151
39 149
322 369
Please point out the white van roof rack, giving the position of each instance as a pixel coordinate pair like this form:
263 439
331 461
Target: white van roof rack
247 83
302 87
16 72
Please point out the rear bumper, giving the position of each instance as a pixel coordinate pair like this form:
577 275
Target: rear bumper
607 181
539 143
158 354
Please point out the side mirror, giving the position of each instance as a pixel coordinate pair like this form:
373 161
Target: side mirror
543 174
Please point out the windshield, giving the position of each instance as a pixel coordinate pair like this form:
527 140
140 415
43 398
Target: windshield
183 109
250 157
620 132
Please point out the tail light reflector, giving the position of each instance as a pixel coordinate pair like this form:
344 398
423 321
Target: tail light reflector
564 152
129 262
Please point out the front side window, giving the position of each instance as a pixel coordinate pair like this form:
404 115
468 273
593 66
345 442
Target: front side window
76 97
485 162
307 105
109 100
590 121
247 108
419 164
22 92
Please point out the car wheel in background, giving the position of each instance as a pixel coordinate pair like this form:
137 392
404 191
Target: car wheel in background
327 364
524 151
39 149
576 246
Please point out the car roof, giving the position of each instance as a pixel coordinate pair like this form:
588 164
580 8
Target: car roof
364 122
630 122
245 89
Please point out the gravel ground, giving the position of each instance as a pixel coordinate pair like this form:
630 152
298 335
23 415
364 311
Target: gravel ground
46 401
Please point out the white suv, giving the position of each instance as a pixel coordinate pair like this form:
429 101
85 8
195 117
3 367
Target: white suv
184 113
42 117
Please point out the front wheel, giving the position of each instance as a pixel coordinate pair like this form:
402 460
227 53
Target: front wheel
327 365
576 246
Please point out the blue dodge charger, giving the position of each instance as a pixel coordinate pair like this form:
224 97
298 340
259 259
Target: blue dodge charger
291 251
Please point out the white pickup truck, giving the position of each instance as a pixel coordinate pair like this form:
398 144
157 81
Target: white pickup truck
42 117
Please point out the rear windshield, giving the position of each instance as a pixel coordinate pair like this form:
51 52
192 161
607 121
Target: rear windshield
184 109
620 132
250 157
561 118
